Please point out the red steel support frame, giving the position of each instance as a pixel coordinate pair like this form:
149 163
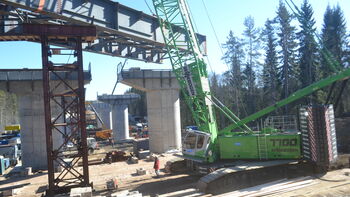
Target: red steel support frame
68 177
64 101
70 115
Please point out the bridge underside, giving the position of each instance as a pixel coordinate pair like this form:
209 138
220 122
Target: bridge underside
121 31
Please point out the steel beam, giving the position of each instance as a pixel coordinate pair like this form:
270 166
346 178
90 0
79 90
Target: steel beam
122 31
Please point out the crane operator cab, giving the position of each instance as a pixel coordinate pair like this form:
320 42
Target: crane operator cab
196 145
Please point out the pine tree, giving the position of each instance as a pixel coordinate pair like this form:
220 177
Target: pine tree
346 95
333 38
334 43
234 57
269 73
214 84
252 47
347 52
288 69
218 93
308 51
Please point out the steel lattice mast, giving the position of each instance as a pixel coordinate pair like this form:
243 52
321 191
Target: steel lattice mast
187 61
190 68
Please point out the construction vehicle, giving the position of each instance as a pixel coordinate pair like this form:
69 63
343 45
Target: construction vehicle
104 134
13 128
208 144
10 143
91 144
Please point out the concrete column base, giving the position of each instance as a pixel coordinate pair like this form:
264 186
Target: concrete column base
33 136
120 122
163 108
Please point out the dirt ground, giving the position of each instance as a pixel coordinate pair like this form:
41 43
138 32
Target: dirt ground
125 173
334 183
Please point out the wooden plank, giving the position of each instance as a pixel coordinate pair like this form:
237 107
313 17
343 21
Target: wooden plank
282 185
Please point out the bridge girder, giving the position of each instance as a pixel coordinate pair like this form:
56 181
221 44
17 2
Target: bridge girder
121 31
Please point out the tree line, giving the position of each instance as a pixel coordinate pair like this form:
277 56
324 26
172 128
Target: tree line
269 63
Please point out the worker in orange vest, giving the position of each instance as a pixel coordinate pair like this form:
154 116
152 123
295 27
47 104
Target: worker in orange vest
156 166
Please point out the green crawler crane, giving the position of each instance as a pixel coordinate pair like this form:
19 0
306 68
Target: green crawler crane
209 144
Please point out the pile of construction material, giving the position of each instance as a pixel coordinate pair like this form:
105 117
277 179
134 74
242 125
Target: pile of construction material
10 192
141 171
112 184
115 156
81 192
141 148
318 134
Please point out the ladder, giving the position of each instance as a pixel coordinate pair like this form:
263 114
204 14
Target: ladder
262 146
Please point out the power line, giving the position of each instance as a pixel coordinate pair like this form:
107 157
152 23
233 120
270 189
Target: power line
213 29
149 7
212 26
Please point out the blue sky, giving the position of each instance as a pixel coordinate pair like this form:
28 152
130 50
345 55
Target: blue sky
226 15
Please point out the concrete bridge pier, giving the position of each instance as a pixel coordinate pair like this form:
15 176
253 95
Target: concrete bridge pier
120 114
163 106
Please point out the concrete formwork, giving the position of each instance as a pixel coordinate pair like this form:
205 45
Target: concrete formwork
163 106
27 85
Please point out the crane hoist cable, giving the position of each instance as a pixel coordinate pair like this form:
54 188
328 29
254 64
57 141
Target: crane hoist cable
212 27
149 8
218 43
